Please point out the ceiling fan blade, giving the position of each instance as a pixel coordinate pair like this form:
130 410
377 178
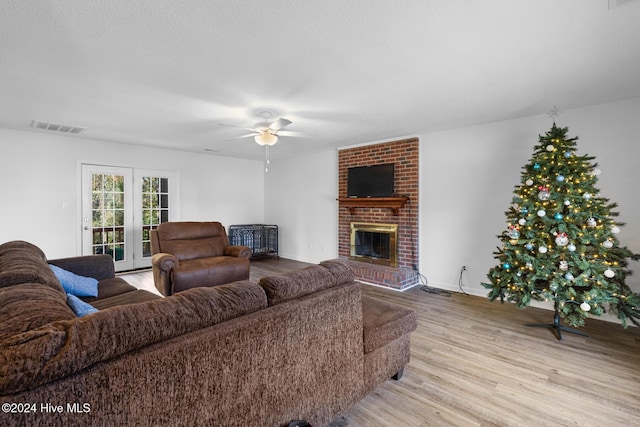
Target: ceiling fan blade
291 133
279 124
239 127
247 135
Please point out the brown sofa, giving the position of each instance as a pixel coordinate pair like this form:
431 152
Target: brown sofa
304 345
194 254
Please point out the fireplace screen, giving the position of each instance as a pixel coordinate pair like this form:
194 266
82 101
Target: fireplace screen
374 243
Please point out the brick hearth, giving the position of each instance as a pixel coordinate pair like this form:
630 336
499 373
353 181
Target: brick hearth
405 156
390 277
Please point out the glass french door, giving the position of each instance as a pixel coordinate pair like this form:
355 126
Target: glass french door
107 215
119 208
154 207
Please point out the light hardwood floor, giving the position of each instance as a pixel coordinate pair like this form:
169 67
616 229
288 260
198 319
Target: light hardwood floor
474 363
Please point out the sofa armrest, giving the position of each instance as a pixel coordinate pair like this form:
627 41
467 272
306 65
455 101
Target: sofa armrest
162 264
99 267
238 251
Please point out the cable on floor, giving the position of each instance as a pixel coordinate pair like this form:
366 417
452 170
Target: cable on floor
425 287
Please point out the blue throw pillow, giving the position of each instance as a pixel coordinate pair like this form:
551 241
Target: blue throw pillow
73 284
79 307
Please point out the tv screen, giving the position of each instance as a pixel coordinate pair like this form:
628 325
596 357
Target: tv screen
370 181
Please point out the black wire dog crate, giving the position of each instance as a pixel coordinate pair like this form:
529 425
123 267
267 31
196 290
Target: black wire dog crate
261 238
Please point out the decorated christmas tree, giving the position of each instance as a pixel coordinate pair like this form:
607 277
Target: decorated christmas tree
561 243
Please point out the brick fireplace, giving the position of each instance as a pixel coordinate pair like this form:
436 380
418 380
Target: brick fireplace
404 155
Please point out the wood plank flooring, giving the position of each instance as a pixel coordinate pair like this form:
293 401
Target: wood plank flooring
474 363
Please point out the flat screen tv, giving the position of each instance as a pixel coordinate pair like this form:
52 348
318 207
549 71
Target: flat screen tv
370 181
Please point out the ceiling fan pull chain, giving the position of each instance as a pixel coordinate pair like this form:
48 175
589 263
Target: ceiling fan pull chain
266 150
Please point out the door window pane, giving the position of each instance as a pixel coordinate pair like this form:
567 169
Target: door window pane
155 208
107 216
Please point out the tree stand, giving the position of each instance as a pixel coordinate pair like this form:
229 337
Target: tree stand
557 326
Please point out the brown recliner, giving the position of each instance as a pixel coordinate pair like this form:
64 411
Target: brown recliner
195 254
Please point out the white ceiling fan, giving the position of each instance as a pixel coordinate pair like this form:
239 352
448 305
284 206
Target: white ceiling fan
265 133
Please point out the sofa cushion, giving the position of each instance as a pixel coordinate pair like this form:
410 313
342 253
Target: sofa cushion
134 297
209 272
108 288
191 240
297 283
80 286
383 322
340 269
96 266
23 262
191 249
58 349
30 306
79 307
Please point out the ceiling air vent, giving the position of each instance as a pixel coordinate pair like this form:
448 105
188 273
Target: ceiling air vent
57 127
615 3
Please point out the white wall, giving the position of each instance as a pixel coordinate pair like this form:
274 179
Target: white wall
40 196
468 176
300 197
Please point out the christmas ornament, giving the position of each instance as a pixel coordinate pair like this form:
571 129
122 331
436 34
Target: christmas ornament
544 193
506 265
597 172
524 210
607 244
542 249
564 265
615 229
536 166
609 273
562 239
569 276
558 216
567 154
567 203
586 196
529 265
571 248
529 182
522 221
513 232
550 147
585 306
591 222
541 213
528 246
560 178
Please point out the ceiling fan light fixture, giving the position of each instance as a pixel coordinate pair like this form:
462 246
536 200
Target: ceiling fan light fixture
266 138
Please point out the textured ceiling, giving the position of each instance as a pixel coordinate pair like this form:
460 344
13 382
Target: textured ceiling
167 73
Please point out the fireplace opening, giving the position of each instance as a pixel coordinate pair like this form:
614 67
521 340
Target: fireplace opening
374 243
